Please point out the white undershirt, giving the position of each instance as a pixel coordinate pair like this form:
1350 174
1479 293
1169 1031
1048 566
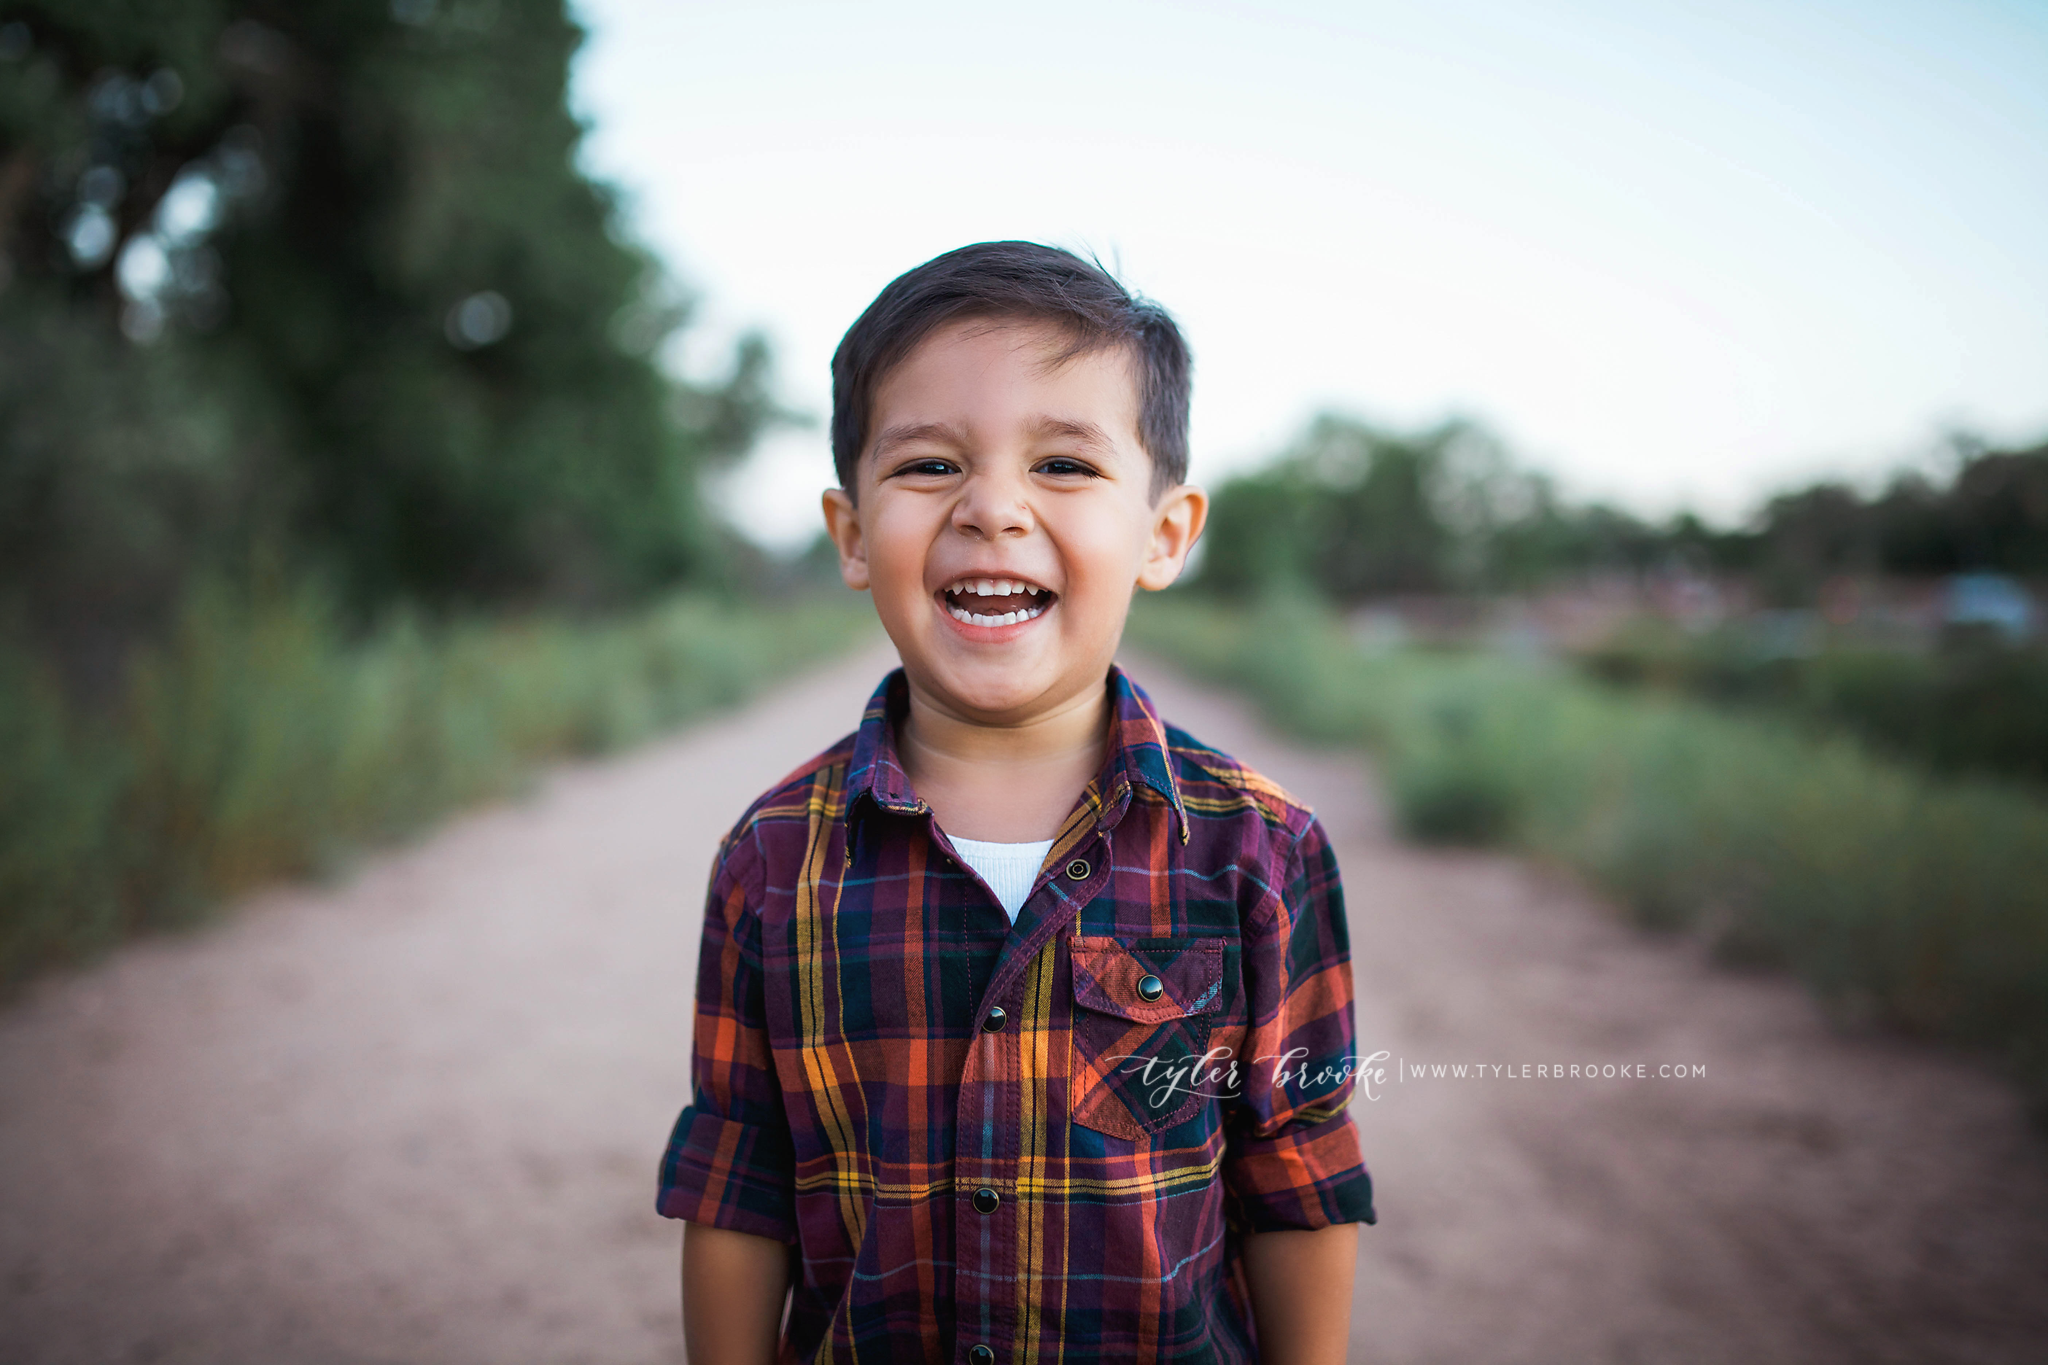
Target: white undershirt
1009 869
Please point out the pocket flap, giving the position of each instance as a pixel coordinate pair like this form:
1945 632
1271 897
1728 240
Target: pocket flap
1107 972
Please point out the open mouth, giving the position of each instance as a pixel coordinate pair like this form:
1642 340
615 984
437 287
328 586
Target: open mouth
996 601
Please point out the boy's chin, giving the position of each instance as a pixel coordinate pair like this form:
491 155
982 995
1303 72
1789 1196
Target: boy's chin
993 689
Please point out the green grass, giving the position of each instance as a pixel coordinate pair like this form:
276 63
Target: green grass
1917 900
261 742
1973 706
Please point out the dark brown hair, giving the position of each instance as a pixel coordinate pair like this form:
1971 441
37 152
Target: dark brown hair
1021 280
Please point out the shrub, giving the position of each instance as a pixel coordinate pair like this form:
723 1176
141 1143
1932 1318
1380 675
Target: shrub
1973 707
260 740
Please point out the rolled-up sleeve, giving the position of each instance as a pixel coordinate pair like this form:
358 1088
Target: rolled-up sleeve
729 1161
1291 1158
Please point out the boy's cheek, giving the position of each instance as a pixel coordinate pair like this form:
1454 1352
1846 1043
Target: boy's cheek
894 576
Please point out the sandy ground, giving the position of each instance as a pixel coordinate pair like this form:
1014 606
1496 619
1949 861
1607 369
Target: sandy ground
414 1116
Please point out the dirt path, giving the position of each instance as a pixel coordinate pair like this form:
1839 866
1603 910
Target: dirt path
415 1117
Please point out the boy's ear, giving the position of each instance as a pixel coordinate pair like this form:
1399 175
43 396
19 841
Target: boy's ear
842 523
1176 525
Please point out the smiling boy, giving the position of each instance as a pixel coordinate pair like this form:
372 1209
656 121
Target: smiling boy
947 963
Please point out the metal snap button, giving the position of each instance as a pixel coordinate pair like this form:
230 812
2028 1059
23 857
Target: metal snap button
981 1355
995 1020
1150 987
1078 869
986 1200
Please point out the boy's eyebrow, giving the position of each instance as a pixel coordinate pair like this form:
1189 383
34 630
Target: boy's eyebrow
1087 434
913 432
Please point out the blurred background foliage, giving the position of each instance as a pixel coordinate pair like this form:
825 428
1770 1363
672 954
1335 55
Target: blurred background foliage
1976 705
323 280
340 476
1354 511
1909 618
264 739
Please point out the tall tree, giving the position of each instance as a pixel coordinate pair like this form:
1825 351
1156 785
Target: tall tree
1354 510
326 274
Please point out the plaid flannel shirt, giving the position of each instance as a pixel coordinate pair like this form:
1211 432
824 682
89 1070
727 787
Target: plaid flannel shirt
950 1119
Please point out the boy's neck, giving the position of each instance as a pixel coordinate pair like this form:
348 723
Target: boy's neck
1011 783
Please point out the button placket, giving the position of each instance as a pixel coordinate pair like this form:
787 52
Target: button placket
987 1151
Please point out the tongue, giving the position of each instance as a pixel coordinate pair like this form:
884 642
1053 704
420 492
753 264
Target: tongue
996 605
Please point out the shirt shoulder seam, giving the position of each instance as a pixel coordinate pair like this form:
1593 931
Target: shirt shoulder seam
791 795
1252 789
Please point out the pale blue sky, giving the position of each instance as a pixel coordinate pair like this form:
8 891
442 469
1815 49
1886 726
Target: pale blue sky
1673 253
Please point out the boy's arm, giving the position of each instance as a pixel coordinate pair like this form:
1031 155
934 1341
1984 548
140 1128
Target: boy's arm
729 1171
1296 1183
1301 1293
734 1284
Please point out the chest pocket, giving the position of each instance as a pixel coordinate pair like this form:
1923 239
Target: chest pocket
1143 1008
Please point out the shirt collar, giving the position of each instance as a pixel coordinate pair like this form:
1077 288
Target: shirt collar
1137 753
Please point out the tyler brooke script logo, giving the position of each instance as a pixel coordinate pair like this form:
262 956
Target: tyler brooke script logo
1214 1074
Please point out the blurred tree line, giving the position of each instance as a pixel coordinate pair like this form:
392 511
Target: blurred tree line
1351 512
318 284
1991 514
1354 511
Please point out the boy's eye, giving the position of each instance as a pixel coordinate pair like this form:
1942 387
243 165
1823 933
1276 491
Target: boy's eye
929 465
1059 464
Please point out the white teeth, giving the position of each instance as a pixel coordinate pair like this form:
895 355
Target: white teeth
994 587
1008 618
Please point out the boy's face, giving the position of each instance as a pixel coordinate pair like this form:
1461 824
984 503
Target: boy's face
1004 515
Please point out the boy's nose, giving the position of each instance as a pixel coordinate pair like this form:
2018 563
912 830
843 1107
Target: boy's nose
989 508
